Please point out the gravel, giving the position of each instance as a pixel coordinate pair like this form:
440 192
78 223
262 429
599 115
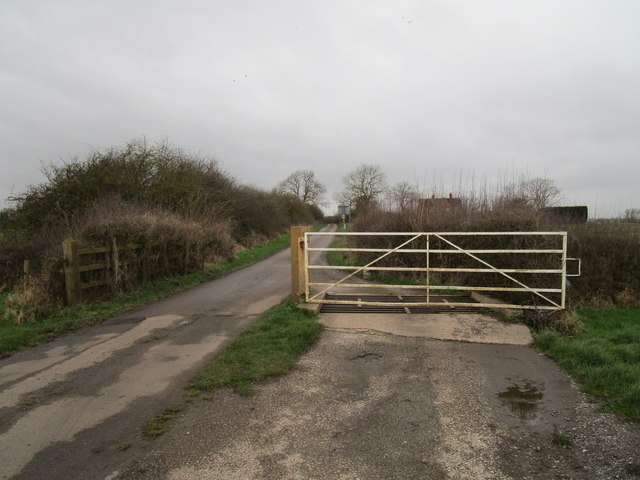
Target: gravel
365 406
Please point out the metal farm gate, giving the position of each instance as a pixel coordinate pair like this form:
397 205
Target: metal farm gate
438 270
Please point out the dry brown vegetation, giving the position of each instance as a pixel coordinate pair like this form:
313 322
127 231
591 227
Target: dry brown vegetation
150 194
610 250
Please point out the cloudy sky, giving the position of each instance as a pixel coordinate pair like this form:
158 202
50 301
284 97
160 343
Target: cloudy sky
436 92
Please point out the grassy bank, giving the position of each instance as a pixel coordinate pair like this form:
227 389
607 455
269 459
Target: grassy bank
14 337
268 348
604 357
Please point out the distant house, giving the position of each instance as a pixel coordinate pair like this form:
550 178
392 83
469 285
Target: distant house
444 203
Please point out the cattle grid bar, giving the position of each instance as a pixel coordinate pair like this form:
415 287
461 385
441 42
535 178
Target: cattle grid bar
538 294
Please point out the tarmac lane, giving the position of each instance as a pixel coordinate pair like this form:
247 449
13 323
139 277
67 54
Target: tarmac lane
68 407
451 396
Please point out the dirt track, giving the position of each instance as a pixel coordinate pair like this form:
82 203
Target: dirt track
379 406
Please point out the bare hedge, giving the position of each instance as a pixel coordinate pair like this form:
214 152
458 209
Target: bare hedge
610 251
138 193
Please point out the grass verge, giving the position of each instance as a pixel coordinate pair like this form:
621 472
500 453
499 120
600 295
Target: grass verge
268 348
604 357
158 424
14 337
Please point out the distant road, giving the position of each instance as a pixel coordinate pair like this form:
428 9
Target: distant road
75 407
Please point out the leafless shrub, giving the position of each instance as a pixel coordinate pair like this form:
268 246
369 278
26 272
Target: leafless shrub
610 251
632 215
164 236
182 209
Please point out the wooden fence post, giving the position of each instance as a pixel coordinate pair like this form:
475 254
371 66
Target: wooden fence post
71 271
298 286
26 269
144 264
115 264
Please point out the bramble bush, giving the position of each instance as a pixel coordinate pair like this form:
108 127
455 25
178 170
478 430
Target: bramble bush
138 193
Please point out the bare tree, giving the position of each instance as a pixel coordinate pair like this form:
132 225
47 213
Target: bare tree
402 195
632 215
541 192
303 184
362 186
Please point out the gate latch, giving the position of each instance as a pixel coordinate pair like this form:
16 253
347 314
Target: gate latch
579 261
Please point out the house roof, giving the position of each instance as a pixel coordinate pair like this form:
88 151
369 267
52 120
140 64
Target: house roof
445 203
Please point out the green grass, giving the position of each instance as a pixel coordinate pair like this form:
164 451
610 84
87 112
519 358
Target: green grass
561 440
342 259
14 337
345 259
268 348
158 424
604 357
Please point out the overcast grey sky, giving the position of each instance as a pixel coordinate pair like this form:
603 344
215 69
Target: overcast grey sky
428 90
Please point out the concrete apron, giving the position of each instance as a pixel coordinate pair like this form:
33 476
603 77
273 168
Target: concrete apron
466 327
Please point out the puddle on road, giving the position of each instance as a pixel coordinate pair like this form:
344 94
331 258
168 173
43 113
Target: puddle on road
523 399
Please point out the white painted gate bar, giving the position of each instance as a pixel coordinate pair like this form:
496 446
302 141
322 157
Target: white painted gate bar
520 286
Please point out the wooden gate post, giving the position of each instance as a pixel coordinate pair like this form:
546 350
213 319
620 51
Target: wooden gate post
298 286
71 271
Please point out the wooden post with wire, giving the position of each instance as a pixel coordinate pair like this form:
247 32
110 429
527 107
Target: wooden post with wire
297 263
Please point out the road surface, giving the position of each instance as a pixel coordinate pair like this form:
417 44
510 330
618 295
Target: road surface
375 398
67 405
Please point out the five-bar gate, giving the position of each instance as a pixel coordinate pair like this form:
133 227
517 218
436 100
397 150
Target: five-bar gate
528 269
